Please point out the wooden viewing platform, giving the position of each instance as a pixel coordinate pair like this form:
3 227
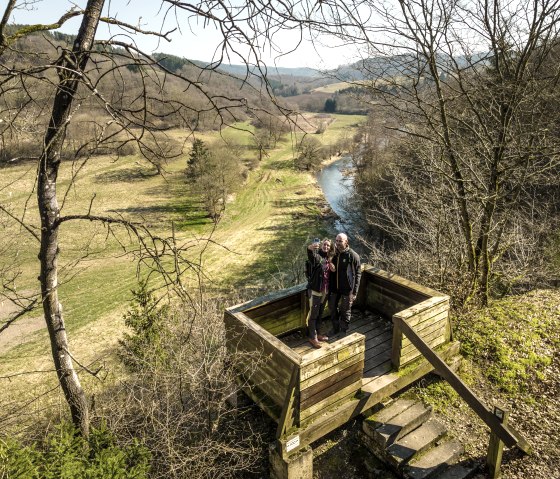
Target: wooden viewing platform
400 331
310 392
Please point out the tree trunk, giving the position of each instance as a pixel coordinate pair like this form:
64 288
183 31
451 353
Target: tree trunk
71 65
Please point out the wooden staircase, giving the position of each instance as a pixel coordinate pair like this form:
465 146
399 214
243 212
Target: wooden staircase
406 436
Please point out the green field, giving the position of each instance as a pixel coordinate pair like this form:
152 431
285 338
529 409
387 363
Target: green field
266 223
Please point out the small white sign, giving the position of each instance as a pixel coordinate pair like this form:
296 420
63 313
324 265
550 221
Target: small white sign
292 443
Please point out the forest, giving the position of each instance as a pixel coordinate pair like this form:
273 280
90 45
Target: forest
142 194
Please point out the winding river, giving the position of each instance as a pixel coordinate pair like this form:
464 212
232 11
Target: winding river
336 187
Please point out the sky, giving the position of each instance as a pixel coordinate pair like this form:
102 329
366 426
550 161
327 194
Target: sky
193 41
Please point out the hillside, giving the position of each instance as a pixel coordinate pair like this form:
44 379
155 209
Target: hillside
256 245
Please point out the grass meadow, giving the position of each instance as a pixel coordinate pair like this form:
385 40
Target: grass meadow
266 223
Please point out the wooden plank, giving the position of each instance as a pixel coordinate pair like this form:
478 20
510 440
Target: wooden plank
330 400
439 327
274 310
399 293
396 345
289 418
387 306
360 323
379 273
414 353
241 320
373 392
333 354
267 384
421 320
260 399
373 361
328 349
374 342
495 448
371 331
379 369
270 298
331 391
249 342
335 377
328 372
433 314
423 307
465 392
309 422
282 324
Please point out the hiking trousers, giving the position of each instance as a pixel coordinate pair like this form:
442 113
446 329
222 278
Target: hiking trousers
317 302
340 305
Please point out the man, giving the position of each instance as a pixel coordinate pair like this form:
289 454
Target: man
343 284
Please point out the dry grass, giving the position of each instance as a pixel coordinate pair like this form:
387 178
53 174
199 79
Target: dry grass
272 215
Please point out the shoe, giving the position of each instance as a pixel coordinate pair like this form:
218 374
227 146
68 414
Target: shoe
343 333
322 337
316 344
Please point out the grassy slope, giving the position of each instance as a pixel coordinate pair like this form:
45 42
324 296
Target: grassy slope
512 360
269 219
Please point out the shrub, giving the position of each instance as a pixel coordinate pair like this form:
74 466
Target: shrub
147 322
66 455
177 404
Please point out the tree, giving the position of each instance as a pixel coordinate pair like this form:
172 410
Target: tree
310 153
93 74
198 158
470 87
220 175
330 105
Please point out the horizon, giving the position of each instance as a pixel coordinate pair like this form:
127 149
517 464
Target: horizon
317 55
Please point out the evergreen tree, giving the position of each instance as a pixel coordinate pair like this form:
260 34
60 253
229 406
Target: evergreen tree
330 105
198 157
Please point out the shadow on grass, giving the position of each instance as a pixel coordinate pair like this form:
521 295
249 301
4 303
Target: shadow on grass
279 261
184 215
126 175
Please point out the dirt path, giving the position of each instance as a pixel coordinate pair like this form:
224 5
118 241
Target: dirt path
18 332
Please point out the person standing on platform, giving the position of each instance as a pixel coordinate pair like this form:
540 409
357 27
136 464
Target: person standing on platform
319 257
343 285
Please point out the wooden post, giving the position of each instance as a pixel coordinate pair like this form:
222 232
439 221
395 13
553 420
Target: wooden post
289 418
396 344
495 447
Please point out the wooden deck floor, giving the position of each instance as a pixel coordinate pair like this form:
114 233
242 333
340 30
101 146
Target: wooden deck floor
378 332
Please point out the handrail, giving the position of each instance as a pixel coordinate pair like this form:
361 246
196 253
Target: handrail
505 432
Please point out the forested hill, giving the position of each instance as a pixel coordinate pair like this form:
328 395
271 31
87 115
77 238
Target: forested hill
226 80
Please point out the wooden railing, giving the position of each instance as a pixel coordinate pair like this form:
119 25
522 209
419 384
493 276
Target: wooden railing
504 432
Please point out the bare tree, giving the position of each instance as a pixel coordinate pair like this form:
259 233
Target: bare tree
93 73
470 85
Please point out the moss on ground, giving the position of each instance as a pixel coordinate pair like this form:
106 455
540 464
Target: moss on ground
514 340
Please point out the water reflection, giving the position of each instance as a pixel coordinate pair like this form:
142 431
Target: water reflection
336 187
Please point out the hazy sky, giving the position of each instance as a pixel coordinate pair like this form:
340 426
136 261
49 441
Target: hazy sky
192 41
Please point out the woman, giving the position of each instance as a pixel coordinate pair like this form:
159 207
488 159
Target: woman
320 256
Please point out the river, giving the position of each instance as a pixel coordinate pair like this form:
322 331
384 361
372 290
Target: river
336 187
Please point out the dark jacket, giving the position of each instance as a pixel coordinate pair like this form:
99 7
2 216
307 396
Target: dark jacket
316 258
346 278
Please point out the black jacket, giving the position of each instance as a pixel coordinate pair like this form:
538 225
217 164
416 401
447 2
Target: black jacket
317 259
346 278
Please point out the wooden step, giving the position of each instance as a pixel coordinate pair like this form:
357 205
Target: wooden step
434 461
459 471
402 424
415 442
385 415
